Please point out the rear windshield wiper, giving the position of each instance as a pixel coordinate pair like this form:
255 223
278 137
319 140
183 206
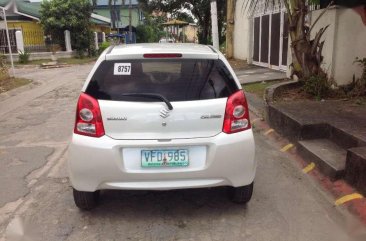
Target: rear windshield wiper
151 96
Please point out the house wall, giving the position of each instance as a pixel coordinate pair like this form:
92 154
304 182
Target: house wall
344 41
191 33
350 43
242 32
124 15
32 31
101 28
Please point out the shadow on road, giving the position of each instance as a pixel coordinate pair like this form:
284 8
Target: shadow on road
200 202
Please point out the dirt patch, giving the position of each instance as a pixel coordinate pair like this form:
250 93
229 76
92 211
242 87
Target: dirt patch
9 83
238 64
298 93
258 88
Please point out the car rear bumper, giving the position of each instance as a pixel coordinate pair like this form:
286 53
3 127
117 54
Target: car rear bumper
105 163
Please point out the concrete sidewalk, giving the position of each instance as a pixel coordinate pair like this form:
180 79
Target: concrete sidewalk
253 74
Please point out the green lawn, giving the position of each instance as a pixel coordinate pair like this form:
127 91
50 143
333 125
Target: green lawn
258 88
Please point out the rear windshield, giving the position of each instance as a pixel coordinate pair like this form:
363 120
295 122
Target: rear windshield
176 80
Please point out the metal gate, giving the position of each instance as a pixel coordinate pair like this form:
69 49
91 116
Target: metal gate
4 41
270 40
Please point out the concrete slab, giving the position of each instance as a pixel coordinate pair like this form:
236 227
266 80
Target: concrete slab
254 74
328 156
347 119
15 164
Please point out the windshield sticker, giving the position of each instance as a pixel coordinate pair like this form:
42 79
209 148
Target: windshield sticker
122 69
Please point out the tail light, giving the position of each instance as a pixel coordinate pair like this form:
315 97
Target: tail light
160 56
88 117
236 114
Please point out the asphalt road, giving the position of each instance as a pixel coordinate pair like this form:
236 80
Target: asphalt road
36 200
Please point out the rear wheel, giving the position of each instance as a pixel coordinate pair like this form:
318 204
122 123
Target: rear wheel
85 200
241 194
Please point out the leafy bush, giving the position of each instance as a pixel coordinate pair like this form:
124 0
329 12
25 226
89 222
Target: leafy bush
362 63
24 57
317 85
80 54
103 46
92 52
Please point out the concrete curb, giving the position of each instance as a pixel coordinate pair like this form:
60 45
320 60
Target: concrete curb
273 91
299 129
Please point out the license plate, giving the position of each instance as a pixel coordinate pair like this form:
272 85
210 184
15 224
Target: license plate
164 158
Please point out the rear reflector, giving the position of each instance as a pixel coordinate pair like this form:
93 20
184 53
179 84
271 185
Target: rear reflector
160 56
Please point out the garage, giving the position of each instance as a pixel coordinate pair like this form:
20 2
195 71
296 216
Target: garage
270 40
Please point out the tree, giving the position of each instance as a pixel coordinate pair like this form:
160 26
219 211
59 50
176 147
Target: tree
73 15
230 15
200 10
151 31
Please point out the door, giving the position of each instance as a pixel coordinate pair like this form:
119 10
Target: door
264 39
275 39
270 41
256 47
285 36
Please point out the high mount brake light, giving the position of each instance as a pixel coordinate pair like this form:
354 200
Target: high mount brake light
160 56
236 114
88 117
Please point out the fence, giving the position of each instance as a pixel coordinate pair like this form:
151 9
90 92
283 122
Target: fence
36 41
4 49
33 41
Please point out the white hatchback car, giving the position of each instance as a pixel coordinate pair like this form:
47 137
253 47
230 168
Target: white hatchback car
161 117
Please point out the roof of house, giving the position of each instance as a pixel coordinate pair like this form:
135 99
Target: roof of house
28 8
31 9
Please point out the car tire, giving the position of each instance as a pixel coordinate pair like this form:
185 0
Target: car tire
85 200
242 194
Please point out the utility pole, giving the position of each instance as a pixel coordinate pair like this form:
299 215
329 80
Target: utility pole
215 29
230 15
9 47
130 21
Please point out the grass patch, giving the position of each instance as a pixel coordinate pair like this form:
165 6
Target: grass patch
9 83
258 88
84 60
34 62
73 60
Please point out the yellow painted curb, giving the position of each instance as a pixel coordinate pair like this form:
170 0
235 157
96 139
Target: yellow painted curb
348 198
309 168
287 147
268 132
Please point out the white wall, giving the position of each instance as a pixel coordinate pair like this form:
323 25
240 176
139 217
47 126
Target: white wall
242 32
350 43
345 39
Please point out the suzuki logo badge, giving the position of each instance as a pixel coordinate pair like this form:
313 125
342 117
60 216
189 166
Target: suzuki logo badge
164 113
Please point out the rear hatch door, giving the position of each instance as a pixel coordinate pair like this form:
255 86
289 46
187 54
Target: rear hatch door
197 89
